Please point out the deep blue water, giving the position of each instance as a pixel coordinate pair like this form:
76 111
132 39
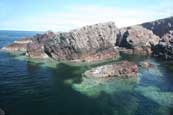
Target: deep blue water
38 88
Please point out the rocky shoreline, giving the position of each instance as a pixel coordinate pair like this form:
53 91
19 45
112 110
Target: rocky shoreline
100 42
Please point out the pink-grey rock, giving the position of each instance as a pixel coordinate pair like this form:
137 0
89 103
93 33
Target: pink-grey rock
124 69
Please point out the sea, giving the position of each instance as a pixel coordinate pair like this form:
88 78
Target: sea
46 87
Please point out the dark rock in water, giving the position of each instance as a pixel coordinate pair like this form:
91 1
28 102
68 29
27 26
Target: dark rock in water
146 65
160 27
164 50
164 29
2 112
122 69
141 40
86 41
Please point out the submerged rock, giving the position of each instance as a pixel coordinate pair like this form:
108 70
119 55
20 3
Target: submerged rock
2 112
122 69
147 65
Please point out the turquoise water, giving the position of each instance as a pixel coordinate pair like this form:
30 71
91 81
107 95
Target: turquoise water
43 87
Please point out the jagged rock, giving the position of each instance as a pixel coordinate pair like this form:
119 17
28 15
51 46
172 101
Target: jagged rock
164 51
164 29
36 50
160 27
141 40
84 42
122 69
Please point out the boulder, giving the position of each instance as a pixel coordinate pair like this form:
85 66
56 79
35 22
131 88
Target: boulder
122 69
141 40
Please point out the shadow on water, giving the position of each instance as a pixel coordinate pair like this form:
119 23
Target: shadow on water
27 88
41 90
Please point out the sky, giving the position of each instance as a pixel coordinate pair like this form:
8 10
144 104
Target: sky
64 15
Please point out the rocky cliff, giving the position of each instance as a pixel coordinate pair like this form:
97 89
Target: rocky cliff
98 42
164 29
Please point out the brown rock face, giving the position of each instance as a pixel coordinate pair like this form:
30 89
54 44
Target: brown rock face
122 69
36 48
102 55
141 40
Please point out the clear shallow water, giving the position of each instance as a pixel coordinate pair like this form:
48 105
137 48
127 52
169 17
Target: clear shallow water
42 88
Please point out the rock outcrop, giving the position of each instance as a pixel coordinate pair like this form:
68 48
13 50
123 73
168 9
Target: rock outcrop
85 42
164 29
100 42
18 45
36 48
139 39
122 69
160 27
